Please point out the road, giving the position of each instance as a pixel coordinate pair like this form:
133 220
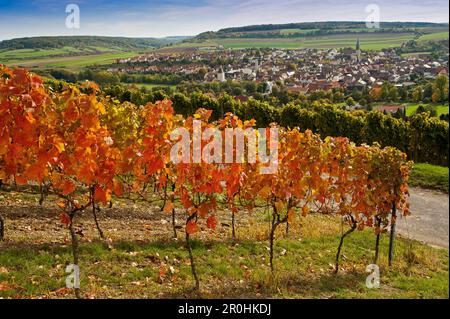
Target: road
429 218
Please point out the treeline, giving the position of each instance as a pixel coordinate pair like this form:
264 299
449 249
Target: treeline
435 48
430 91
329 25
325 26
111 78
425 91
85 41
307 33
422 137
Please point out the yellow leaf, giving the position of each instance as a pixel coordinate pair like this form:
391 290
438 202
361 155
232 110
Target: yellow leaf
265 191
101 108
60 146
279 206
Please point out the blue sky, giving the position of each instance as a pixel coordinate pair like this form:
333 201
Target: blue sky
157 18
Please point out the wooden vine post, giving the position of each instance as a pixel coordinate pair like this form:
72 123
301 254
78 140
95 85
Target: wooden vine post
392 235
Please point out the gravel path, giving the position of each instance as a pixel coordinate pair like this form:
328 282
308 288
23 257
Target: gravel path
429 217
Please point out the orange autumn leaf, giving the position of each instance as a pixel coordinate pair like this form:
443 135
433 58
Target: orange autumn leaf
291 215
118 188
191 227
169 207
265 191
68 188
20 180
65 219
203 210
211 222
305 210
61 204
102 195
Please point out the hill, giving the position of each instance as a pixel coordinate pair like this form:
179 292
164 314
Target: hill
320 35
306 29
116 43
75 52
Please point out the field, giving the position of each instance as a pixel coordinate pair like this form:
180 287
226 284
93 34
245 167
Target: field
412 107
434 36
67 57
73 62
369 41
142 261
440 109
430 176
151 85
296 31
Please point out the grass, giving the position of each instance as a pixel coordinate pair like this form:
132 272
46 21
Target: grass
155 266
415 54
433 36
24 55
297 31
74 62
67 57
430 176
238 44
368 42
412 107
84 61
152 85
440 109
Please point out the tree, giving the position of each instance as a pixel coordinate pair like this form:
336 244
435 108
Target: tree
375 94
350 101
440 89
338 97
83 136
197 184
417 94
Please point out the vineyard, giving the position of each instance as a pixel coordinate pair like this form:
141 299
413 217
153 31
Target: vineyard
84 153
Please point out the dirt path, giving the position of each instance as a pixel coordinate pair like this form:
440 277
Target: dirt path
429 218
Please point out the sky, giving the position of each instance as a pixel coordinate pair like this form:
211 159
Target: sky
158 18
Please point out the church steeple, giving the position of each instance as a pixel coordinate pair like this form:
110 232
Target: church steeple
358 50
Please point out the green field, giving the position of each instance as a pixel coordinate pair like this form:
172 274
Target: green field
69 57
369 41
434 36
414 54
74 62
440 109
430 176
24 55
150 86
297 31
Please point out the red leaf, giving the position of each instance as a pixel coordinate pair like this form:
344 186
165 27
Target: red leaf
65 219
191 227
211 222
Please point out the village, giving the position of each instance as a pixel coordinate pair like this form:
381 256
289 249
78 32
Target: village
300 70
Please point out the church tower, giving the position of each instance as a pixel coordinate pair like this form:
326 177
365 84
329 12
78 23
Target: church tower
221 75
358 50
